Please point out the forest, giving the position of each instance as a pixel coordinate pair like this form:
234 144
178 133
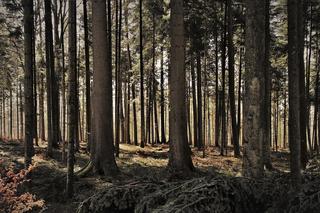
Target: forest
145 106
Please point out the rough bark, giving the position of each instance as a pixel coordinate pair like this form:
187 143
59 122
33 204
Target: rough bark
28 81
72 99
141 78
102 148
179 156
254 124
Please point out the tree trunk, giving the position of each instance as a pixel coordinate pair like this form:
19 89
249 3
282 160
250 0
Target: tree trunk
22 130
11 113
50 69
163 132
233 112
194 103
239 94
217 104
117 81
179 156
199 99
223 99
72 99
302 87
88 75
28 81
254 125
141 78
102 149
294 89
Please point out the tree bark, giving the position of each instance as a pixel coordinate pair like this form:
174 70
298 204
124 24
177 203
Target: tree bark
199 99
254 124
266 144
88 74
233 112
162 108
194 103
141 78
179 155
72 99
50 69
294 90
28 81
102 149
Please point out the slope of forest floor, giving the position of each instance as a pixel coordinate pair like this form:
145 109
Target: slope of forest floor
41 187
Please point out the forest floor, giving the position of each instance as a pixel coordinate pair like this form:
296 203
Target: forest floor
44 182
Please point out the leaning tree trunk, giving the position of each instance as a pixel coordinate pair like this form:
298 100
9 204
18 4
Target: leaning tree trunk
254 125
179 156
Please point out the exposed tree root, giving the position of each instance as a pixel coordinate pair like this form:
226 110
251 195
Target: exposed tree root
85 170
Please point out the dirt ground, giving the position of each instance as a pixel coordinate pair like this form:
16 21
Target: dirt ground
46 179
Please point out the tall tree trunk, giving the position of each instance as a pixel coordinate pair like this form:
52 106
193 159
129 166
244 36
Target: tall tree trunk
316 104
162 108
117 81
64 107
55 75
254 124
28 81
302 87
239 94
128 78
72 99
266 144
223 99
285 121
102 148
154 81
141 78
4 114
17 115
11 113
87 68
217 104
179 155
308 72
50 69
41 82
34 76
233 112
194 102
21 106
199 99
294 89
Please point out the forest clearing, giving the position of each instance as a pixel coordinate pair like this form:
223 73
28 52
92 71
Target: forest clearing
152 106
